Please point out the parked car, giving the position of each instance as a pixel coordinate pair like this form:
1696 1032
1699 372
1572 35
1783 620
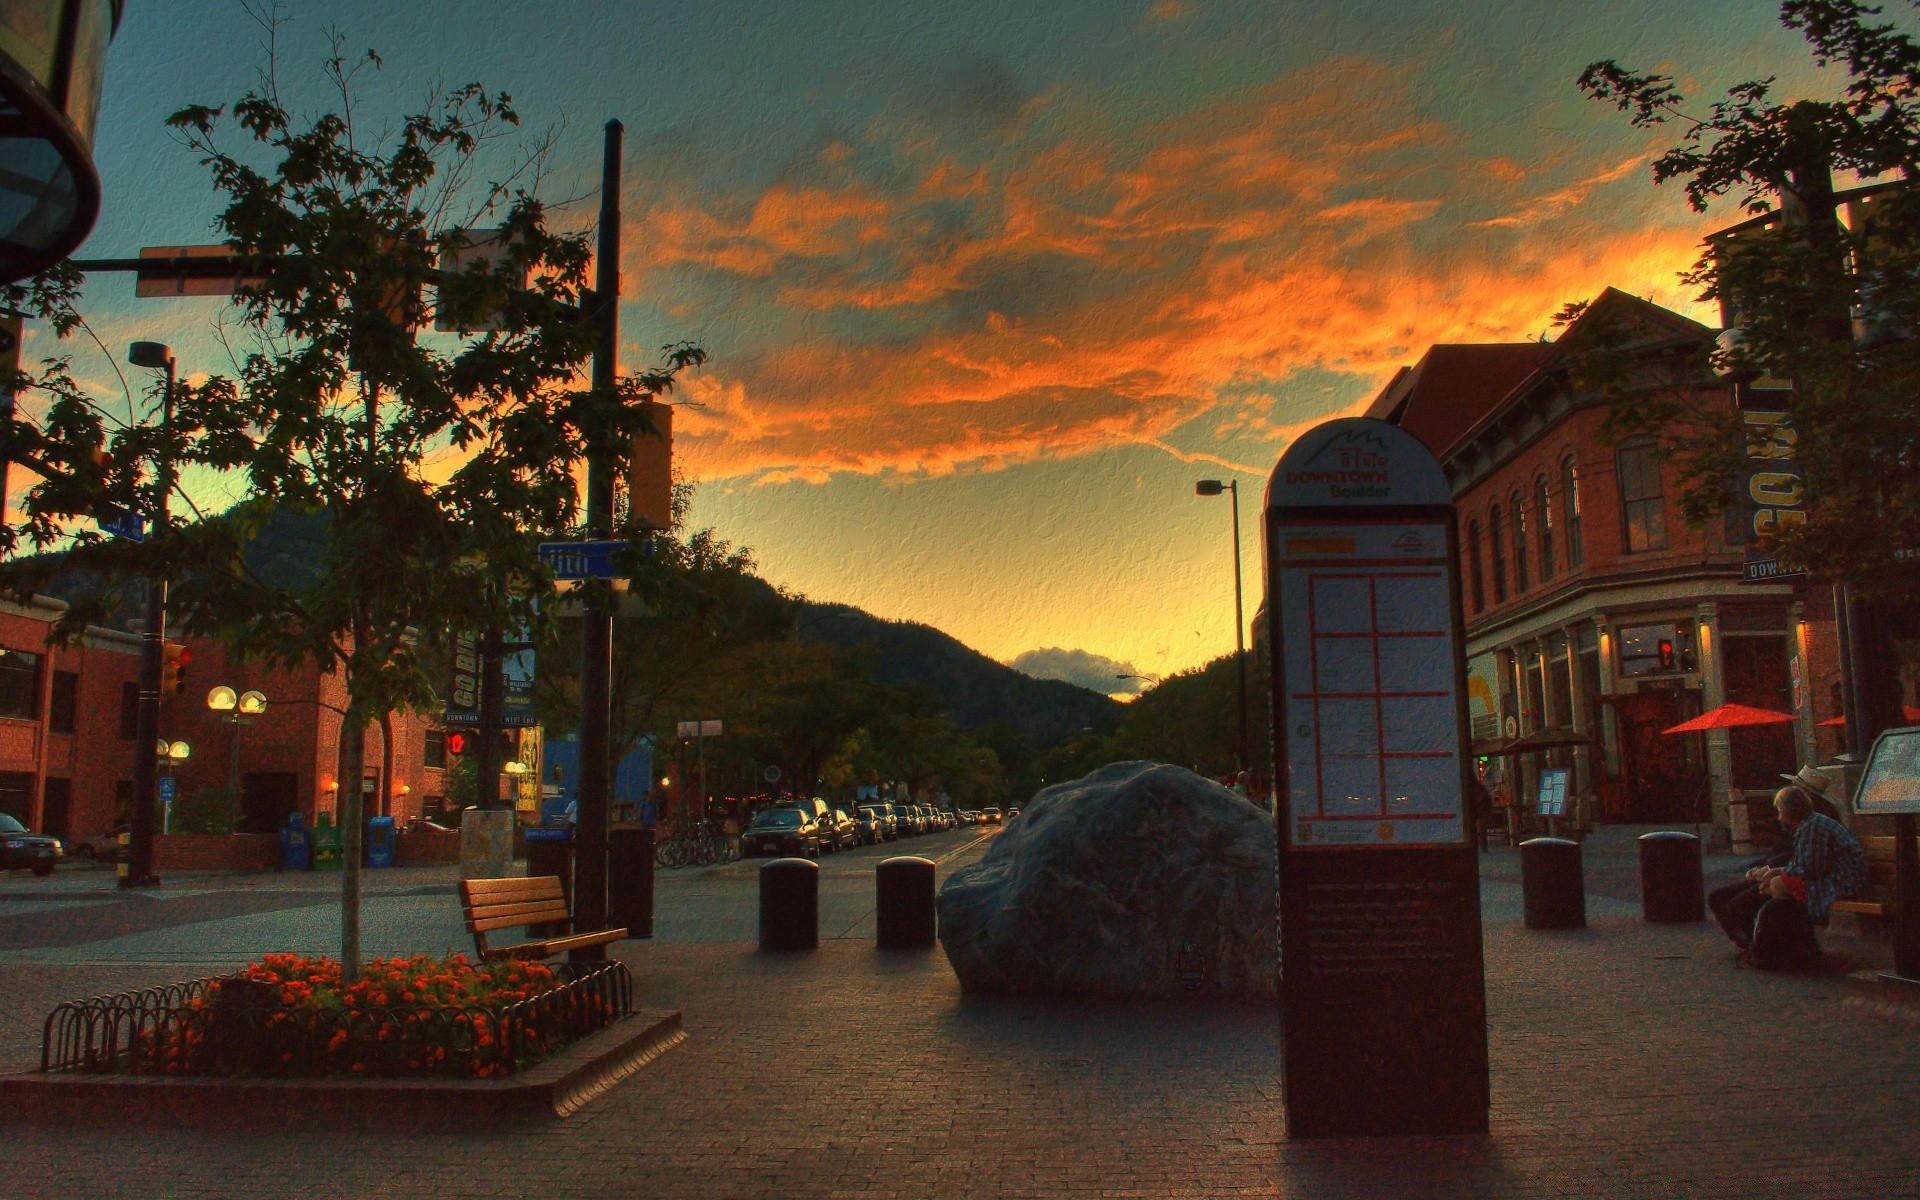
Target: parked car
22 847
989 816
779 831
867 827
839 831
920 822
100 847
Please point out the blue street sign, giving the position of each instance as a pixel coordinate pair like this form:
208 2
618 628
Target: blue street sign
167 788
123 524
581 560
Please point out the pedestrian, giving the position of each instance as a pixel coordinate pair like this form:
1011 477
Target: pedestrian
1772 922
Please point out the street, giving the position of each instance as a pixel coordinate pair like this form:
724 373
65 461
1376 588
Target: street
849 1071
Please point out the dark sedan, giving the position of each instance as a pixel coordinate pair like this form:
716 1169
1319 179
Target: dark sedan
781 831
21 847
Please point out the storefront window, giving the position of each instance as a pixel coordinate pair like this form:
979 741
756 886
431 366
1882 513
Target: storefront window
1559 681
1657 650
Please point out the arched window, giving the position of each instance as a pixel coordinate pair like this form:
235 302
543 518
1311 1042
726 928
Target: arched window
1643 502
1570 507
1476 582
1543 505
1519 544
1497 538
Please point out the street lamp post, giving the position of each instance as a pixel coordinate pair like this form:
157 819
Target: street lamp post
1213 487
235 707
158 357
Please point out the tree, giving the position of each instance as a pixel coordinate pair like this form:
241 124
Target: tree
1792 284
436 464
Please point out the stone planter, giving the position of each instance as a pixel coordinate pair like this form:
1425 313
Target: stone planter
216 852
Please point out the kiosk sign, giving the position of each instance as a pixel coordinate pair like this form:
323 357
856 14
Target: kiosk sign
1891 782
1379 883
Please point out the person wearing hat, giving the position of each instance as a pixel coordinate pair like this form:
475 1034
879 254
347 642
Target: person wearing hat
1784 904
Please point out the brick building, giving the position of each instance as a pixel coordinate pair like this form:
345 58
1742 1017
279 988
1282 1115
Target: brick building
288 756
66 737
1592 608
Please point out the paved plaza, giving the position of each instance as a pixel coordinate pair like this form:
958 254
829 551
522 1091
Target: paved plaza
1627 1060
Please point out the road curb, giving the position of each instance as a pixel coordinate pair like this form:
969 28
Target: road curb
550 1091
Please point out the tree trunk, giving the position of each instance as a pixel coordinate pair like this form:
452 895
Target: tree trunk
353 757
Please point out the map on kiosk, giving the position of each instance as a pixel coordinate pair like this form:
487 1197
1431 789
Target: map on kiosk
1891 783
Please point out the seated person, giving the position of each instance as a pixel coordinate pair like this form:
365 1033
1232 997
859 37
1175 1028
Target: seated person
1827 863
1736 904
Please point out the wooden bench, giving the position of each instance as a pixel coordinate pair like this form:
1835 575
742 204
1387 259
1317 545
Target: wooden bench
491 904
1880 865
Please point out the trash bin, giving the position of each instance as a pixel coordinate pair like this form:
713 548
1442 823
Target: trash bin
550 852
790 904
296 848
1671 887
380 841
630 879
326 843
1553 884
904 903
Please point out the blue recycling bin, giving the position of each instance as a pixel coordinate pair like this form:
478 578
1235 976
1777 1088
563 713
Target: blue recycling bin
381 838
296 849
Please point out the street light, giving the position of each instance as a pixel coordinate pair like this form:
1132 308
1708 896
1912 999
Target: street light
1213 487
223 700
157 357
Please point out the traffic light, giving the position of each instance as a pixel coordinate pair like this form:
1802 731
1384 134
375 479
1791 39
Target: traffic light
174 661
458 743
1666 654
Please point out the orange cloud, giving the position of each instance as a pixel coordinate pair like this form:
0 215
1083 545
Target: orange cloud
912 307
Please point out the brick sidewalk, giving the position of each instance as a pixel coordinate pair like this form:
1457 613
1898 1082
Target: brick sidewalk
1628 1060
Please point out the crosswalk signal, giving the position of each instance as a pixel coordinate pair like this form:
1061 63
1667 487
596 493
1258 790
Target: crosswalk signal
458 743
174 660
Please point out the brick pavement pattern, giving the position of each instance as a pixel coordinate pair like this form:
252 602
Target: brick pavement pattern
1627 1059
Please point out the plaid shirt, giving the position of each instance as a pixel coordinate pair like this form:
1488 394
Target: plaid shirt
1828 860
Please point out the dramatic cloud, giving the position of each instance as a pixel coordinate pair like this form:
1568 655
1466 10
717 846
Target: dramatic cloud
1094 672
988 281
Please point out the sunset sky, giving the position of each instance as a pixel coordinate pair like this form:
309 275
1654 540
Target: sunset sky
988 285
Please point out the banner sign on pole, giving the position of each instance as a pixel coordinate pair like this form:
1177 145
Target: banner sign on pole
1384 982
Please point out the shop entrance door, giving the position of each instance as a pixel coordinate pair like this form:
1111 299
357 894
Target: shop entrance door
1665 777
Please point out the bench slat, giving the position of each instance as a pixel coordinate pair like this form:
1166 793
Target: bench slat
482 912
557 912
1865 908
496 890
552 946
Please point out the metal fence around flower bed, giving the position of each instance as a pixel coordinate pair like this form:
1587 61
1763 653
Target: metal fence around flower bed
231 1026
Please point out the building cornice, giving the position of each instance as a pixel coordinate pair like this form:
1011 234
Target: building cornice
1620 594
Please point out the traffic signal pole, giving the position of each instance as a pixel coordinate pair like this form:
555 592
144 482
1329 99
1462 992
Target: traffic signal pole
596 626
146 730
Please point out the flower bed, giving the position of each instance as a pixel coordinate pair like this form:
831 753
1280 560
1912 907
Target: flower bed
292 1017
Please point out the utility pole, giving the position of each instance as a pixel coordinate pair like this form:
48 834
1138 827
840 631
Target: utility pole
1240 633
146 730
1870 682
486 759
596 626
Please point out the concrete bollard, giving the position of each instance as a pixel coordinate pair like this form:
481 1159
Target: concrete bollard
1553 883
904 903
789 905
1672 889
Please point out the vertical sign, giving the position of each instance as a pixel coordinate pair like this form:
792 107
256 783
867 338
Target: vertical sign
1382 973
1776 493
463 690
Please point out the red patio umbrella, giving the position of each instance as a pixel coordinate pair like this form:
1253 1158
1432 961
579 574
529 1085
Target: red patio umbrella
1731 716
1908 711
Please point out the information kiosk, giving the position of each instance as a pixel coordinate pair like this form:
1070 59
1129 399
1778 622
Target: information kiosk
1381 968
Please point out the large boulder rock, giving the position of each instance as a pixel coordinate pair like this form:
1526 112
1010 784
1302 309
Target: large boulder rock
1140 880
